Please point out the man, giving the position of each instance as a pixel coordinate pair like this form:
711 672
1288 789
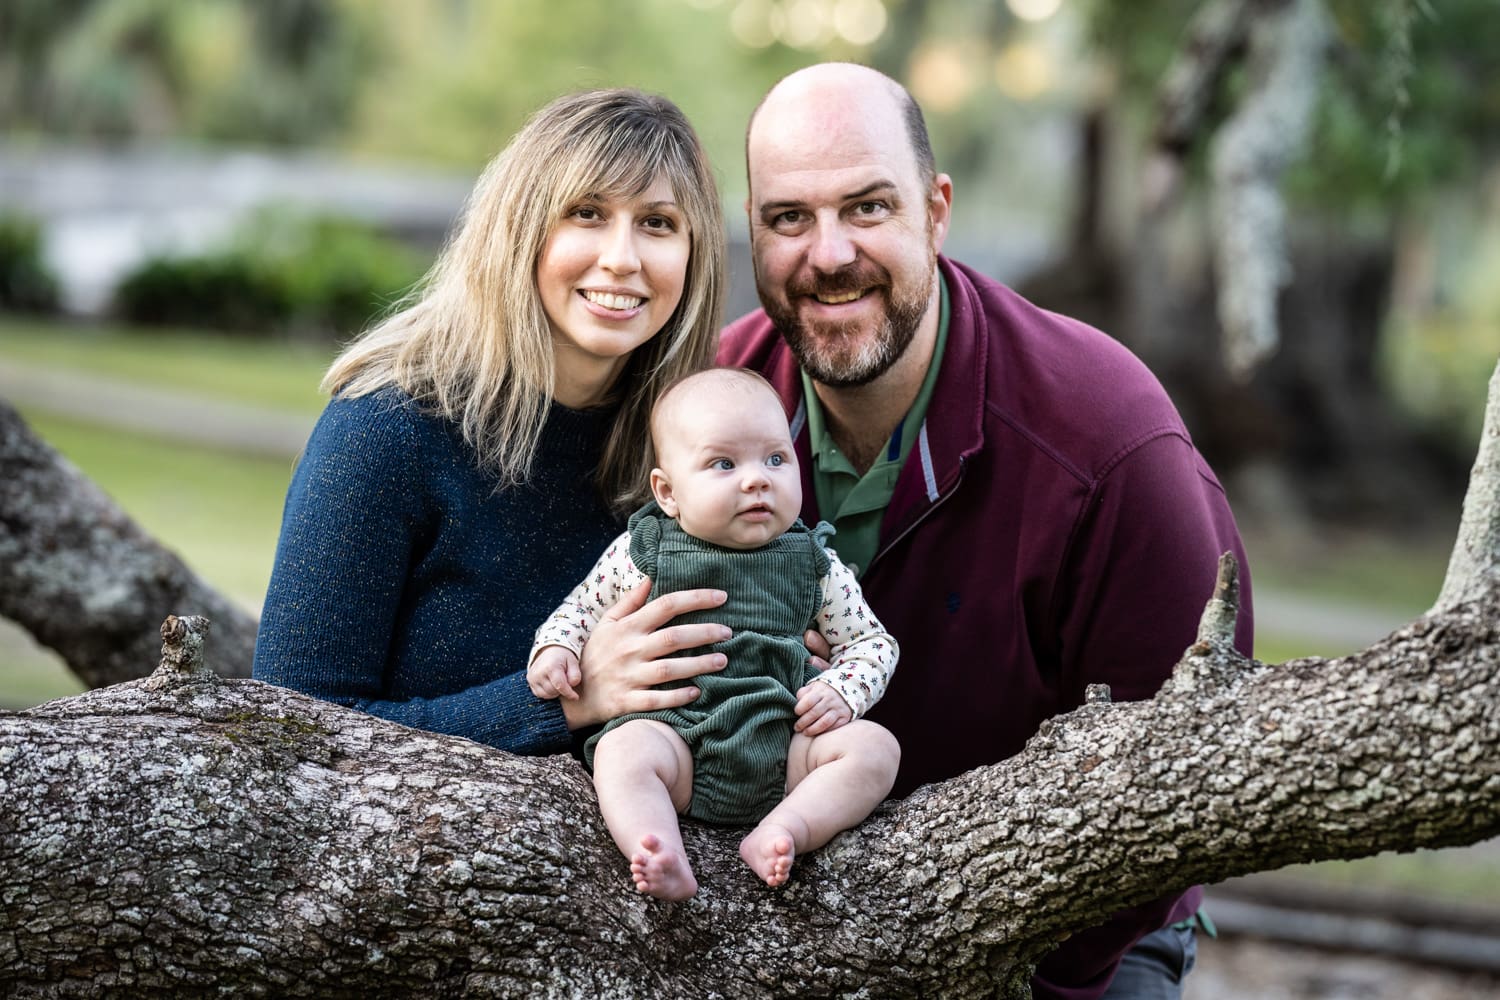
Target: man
1025 509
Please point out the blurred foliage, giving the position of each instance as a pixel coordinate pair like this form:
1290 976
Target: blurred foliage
278 71
455 80
1412 96
1439 357
1410 100
449 82
318 276
1439 370
26 284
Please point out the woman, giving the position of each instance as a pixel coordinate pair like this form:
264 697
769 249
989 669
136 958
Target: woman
483 442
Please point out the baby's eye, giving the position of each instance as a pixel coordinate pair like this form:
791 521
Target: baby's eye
722 464
776 460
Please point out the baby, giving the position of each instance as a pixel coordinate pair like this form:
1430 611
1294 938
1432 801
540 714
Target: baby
727 493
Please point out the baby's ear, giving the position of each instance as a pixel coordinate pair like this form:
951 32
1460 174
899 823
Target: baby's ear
661 489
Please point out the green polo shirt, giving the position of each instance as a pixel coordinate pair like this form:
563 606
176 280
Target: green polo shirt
855 504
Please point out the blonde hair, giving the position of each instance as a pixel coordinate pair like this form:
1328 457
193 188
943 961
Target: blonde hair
472 342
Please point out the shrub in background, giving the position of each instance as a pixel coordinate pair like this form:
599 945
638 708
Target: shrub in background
340 274
26 284
282 272
225 291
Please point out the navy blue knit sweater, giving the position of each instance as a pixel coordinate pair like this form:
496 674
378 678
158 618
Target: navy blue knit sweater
406 586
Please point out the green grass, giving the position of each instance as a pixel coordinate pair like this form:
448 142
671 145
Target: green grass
1461 874
30 674
243 369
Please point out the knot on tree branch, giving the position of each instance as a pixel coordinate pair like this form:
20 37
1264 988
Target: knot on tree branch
1212 658
1221 613
182 654
1474 567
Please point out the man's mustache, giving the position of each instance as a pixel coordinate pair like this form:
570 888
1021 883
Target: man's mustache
854 277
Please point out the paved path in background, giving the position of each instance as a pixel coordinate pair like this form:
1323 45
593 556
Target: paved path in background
132 406
264 431
1324 620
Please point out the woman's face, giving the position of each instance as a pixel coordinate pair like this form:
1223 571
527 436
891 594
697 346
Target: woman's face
610 275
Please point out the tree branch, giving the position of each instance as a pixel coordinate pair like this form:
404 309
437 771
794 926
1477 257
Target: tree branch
190 834
84 579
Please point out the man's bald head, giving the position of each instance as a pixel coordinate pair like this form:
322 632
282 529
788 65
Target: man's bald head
848 88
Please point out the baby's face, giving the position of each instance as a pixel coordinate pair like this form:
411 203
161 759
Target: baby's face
728 473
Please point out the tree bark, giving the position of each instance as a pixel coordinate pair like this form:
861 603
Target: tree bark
190 834
84 579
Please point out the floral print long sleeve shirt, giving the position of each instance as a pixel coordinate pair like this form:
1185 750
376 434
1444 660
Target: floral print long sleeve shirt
864 654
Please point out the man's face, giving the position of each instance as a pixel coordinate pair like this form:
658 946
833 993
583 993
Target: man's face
844 234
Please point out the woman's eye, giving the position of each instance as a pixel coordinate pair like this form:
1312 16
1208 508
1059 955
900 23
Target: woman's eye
585 213
660 223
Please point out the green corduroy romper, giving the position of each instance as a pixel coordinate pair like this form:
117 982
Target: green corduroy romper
740 725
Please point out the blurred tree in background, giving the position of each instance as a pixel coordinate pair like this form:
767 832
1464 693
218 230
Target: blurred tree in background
1390 206
271 71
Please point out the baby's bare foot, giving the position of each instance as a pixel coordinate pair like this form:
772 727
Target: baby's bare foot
768 850
661 872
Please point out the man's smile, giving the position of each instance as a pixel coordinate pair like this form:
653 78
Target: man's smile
839 298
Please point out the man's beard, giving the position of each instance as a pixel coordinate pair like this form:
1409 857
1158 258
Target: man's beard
834 353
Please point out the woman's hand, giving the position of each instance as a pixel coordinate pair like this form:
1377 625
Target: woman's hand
630 651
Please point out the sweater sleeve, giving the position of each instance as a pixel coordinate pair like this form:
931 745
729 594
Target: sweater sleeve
353 523
864 653
573 622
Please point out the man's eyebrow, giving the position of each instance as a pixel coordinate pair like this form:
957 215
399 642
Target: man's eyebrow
869 189
770 208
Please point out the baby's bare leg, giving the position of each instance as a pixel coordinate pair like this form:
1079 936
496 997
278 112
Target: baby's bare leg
833 781
644 776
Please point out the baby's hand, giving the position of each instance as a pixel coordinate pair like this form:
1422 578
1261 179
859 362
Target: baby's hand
554 673
820 709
